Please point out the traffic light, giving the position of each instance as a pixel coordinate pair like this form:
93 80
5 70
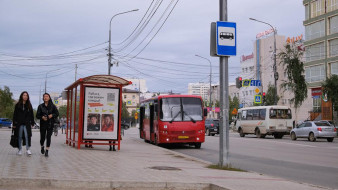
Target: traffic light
263 98
239 82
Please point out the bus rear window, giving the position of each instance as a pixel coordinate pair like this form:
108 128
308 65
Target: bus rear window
280 114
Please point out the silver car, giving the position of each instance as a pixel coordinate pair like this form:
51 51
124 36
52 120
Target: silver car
313 130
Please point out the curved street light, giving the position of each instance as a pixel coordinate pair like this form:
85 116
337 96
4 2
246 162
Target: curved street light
274 57
109 54
210 77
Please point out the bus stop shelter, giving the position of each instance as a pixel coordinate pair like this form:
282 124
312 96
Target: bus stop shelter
94 107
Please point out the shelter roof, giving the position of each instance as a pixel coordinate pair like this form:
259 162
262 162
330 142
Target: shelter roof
101 80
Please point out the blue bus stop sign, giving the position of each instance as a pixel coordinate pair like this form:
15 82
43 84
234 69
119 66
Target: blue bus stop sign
258 99
226 38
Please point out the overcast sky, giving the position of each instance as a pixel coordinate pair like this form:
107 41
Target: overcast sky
39 38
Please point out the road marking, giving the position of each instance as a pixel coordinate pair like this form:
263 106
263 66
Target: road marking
294 144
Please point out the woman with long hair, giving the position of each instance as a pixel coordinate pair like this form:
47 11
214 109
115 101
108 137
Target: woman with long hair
47 113
23 120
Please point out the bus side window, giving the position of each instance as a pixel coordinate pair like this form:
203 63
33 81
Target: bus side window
244 115
262 113
273 114
255 114
249 116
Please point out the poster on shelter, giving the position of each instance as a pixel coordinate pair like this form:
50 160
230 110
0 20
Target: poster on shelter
101 111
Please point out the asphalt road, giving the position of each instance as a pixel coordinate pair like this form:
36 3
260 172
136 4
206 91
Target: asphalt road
302 161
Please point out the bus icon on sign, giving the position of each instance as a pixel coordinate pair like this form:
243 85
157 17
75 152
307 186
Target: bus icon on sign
226 35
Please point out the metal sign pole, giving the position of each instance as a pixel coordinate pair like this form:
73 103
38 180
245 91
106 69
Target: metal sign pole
224 94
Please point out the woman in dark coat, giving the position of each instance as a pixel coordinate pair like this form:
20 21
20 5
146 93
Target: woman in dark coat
23 120
47 113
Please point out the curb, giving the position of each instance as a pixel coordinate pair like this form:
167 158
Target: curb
116 185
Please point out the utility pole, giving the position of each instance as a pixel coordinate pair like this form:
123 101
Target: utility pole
275 73
75 71
40 95
210 91
46 83
224 94
109 48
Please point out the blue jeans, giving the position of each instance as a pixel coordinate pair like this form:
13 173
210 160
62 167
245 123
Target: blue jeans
23 129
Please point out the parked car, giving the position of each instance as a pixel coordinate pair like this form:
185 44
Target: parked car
313 130
4 122
211 126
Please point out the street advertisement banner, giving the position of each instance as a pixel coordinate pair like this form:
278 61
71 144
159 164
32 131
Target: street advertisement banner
101 111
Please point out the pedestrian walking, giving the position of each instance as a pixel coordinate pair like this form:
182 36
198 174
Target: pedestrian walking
23 120
63 121
47 113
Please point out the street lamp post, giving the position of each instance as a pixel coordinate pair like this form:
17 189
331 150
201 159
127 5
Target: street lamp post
109 49
210 77
274 57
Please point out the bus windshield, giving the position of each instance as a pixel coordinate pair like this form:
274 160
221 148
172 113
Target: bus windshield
181 109
280 114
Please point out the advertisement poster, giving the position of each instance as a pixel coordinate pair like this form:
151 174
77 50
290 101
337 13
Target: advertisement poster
101 111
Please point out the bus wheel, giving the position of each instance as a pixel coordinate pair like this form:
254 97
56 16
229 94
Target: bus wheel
198 145
241 134
258 133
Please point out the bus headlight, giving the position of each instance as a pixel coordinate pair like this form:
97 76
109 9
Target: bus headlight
197 138
167 139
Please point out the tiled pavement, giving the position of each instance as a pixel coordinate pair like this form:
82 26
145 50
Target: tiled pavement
129 168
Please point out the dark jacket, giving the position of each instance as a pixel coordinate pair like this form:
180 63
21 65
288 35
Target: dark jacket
44 110
23 116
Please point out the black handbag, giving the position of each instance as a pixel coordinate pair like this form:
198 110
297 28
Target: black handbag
14 140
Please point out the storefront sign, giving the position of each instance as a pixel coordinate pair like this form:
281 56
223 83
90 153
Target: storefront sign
265 33
316 92
294 39
101 111
246 57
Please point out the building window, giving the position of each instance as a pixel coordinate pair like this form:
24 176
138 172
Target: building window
332 5
133 96
317 8
333 47
333 25
314 73
125 96
334 68
307 15
317 105
315 30
315 52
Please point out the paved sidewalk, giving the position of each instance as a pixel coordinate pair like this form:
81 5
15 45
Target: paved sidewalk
133 167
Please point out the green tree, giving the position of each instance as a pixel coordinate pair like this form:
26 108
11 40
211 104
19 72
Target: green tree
269 96
6 103
62 111
125 113
330 87
291 59
233 103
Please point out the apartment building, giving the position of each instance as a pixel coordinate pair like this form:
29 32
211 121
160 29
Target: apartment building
321 51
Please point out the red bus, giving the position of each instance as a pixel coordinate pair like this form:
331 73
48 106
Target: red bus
173 119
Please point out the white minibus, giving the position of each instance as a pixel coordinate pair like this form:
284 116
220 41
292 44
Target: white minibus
264 120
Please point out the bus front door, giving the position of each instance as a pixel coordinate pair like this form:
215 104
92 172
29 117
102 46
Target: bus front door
151 123
142 111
